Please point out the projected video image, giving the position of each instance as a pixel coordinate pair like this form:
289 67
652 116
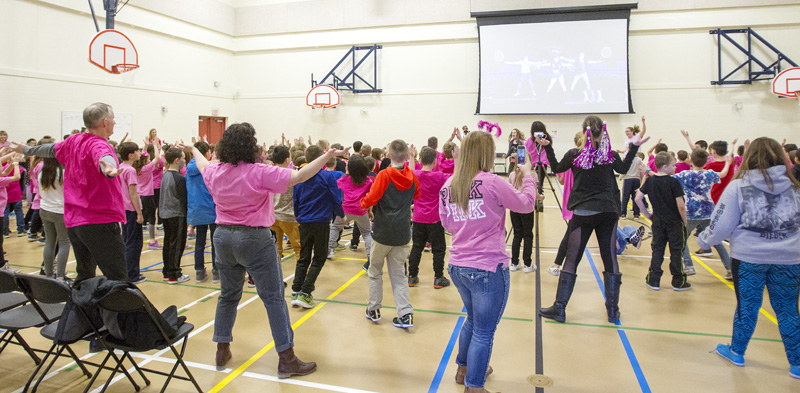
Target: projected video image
555 67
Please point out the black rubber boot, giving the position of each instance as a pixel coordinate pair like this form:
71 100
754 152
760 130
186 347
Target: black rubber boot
612 281
566 283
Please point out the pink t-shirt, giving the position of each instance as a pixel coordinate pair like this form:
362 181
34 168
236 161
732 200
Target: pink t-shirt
569 180
352 194
651 162
446 166
129 178
158 173
14 189
144 179
536 156
243 193
37 200
4 181
89 196
426 208
479 235
682 166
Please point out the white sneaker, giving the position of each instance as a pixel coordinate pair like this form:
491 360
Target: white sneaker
529 269
689 270
180 279
554 270
331 254
513 267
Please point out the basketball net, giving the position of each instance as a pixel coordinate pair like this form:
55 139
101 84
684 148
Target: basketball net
128 72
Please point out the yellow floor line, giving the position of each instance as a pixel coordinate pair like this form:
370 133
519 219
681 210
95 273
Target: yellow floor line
714 273
254 358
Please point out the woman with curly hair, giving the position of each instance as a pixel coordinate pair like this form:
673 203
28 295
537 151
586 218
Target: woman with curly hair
243 190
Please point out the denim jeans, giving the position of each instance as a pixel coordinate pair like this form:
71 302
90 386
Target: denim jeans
723 253
252 250
15 207
484 294
200 246
132 235
623 234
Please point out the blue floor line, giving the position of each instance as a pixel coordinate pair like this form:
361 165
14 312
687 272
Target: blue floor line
437 378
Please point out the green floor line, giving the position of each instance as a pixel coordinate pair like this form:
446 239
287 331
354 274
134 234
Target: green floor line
658 330
70 368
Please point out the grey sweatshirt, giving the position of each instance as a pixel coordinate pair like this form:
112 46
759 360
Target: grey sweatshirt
763 222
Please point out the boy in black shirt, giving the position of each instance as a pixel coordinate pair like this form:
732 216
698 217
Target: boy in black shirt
669 222
172 210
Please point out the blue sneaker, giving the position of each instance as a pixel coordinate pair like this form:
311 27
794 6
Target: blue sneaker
726 352
794 371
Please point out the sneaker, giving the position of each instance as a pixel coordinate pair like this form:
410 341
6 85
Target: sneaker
529 269
427 247
365 267
689 270
154 245
9 269
405 322
6 236
21 234
191 235
41 240
188 246
215 276
653 283
636 238
726 352
729 276
33 237
182 278
440 282
794 371
554 270
201 276
374 315
304 300
250 282
353 247
331 253
703 253
293 300
139 279
166 278
340 247
513 267
682 286
160 227
413 281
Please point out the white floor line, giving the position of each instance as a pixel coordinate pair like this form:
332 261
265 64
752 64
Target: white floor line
143 252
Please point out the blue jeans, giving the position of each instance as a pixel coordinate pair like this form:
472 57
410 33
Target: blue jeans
783 285
16 207
723 253
132 235
623 234
484 294
200 247
252 250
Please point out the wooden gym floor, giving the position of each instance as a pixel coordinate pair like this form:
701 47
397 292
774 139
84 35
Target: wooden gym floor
661 345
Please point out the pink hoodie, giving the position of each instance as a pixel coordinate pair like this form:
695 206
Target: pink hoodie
479 235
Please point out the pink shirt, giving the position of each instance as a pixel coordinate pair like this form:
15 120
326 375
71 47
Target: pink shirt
89 196
446 166
158 173
569 180
479 236
37 200
351 202
243 193
4 181
536 156
426 208
682 166
129 178
144 185
14 189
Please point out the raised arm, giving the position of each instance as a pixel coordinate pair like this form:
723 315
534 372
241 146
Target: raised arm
315 166
688 140
728 161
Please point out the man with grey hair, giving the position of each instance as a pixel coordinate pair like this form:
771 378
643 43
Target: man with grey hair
93 204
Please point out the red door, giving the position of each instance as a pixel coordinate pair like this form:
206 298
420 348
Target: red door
211 128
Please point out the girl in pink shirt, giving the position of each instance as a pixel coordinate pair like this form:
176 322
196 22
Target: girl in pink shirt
354 185
473 207
145 169
9 174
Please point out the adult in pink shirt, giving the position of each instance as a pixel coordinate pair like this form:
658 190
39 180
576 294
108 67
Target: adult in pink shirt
93 205
243 193
425 221
9 174
473 207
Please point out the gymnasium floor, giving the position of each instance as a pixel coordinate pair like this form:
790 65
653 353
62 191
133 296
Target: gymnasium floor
661 345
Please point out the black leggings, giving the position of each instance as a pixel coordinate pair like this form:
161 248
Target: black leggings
580 228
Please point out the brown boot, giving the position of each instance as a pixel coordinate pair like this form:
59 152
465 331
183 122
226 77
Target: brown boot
290 366
476 390
461 373
223 355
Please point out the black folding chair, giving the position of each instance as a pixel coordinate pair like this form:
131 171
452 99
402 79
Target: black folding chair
23 317
130 301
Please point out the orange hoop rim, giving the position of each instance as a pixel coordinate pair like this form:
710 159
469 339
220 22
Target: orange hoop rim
123 68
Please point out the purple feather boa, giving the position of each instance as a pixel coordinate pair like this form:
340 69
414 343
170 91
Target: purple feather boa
489 127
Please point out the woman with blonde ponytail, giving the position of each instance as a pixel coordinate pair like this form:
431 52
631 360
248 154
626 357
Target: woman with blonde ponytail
473 207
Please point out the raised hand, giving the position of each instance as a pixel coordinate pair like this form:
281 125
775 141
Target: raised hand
641 141
17 147
685 133
186 148
542 141
109 169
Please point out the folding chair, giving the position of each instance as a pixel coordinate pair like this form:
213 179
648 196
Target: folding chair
130 301
23 317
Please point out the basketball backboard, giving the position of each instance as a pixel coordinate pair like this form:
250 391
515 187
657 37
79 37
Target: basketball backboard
113 51
787 83
324 96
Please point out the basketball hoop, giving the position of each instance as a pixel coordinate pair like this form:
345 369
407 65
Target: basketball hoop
123 68
318 106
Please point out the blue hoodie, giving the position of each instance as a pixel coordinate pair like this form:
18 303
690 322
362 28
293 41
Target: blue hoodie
201 207
763 222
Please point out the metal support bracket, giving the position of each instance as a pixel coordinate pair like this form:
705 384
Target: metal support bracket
756 72
357 55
